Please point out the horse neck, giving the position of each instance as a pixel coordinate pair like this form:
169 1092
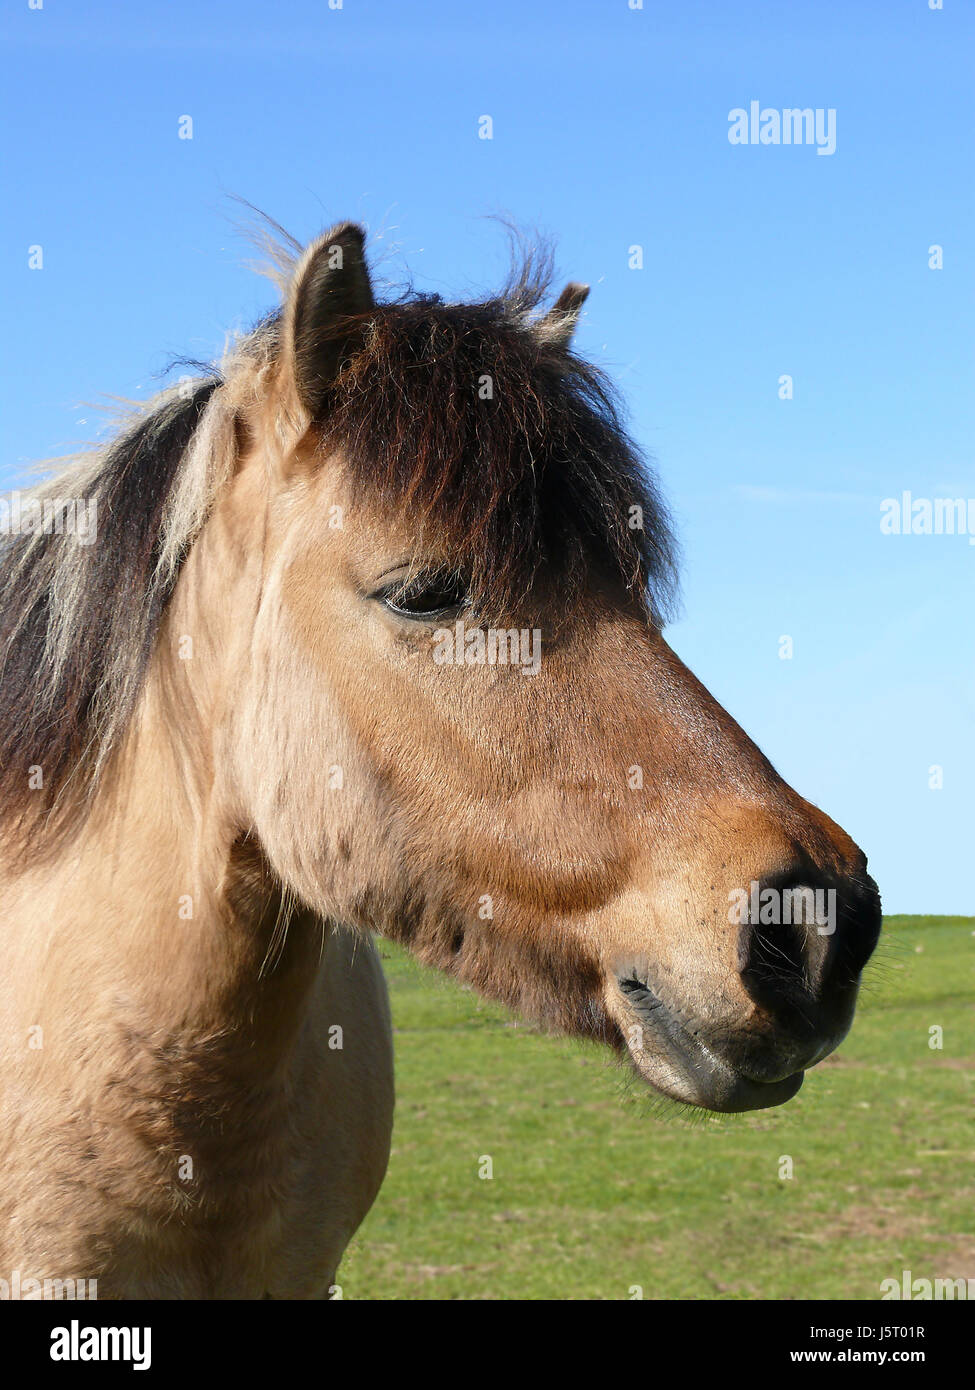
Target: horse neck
164 901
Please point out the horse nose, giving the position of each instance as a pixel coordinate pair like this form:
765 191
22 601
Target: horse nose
803 942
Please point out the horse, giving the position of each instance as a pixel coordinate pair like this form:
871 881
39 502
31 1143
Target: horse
232 752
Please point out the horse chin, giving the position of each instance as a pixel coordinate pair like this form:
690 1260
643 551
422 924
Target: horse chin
719 1089
680 1066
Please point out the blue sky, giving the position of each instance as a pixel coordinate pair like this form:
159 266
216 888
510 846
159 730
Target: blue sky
610 130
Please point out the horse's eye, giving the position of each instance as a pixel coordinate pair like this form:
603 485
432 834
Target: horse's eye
426 596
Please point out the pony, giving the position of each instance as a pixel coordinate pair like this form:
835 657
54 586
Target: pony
272 701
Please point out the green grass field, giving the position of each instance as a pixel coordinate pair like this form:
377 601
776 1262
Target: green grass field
596 1187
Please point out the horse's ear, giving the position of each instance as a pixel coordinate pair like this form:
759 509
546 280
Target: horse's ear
323 317
559 323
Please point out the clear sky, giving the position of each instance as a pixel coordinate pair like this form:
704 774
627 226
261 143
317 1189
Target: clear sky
610 131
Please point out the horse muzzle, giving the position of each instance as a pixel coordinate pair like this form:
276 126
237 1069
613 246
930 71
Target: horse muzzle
676 1057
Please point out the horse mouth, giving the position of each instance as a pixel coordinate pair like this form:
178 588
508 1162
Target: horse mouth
676 1061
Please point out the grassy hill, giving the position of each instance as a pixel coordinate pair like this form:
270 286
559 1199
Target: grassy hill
597 1187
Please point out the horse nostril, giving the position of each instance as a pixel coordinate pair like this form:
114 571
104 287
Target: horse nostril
803 942
778 961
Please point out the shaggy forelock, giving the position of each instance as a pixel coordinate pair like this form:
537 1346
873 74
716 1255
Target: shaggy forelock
505 450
